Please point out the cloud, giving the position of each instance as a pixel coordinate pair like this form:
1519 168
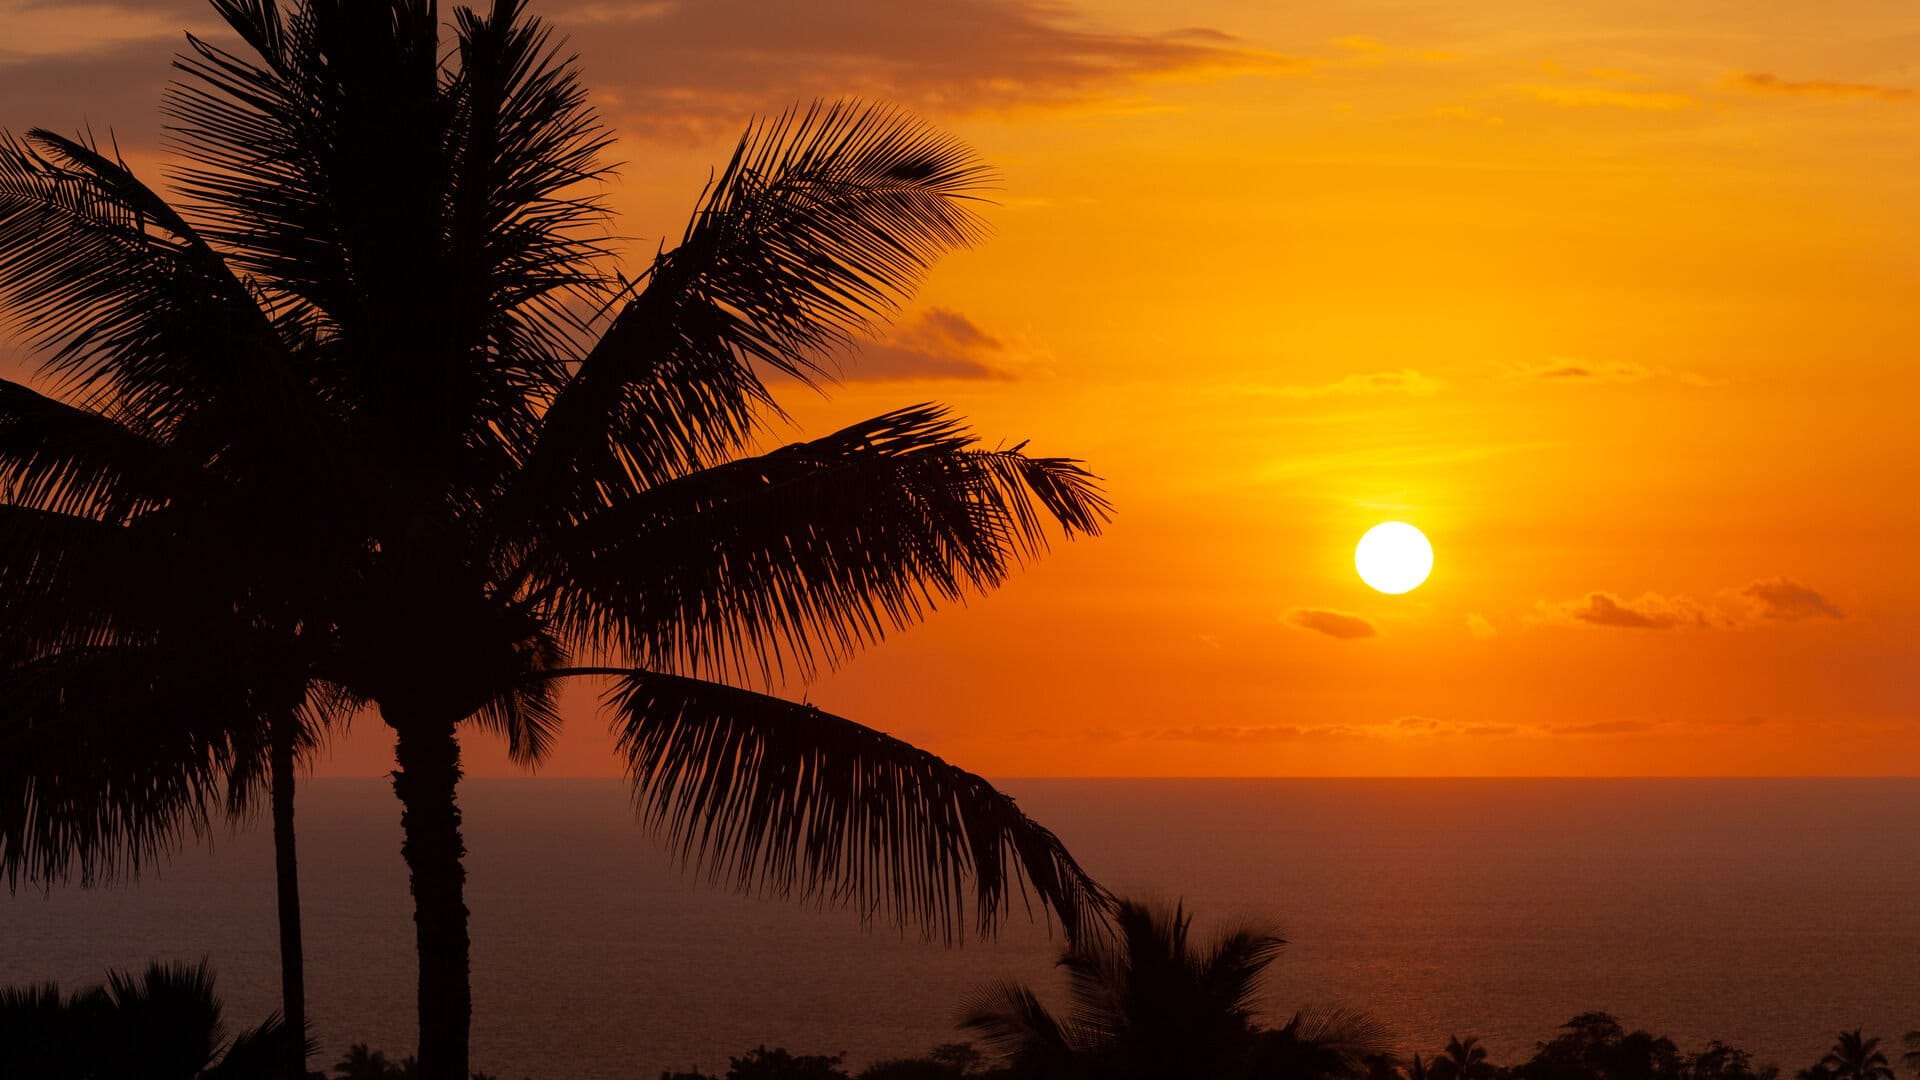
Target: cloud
1561 369
1427 725
99 65
1334 624
1480 626
1650 611
699 67
1602 727
1769 600
1589 97
1787 600
680 69
938 343
1259 734
1405 381
1364 51
116 89
1620 371
1768 84
39 28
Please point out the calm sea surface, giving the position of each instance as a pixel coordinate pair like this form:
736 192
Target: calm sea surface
1768 913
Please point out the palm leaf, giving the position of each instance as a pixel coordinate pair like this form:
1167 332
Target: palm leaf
1010 1018
136 309
64 459
786 799
809 552
108 757
822 222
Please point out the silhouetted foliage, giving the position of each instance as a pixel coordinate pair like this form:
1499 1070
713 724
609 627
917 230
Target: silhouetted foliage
1462 1059
360 1063
1321 1044
947 1061
910 1069
164 1024
1593 1046
761 1063
1150 1004
372 411
1856 1057
1722 1062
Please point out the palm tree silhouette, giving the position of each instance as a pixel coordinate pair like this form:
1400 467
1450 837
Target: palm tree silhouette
359 1063
164 1024
1147 1004
1856 1058
131 708
451 450
1911 1059
1463 1059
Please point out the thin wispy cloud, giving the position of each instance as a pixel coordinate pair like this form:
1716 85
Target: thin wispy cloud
1756 604
1609 97
937 343
1601 727
1334 624
1768 84
1649 611
1570 371
682 69
96 65
1404 381
1787 600
694 69
1427 725
1259 733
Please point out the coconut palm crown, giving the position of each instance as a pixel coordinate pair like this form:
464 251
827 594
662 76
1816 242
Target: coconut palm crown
370 399
1150 1003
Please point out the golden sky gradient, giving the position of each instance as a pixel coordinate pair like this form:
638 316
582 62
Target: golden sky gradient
1619 302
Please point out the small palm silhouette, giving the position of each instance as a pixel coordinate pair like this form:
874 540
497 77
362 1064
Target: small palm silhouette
165 1023
1854 1057
1150 1004
1463 1059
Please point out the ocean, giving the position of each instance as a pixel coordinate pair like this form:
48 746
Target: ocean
1769 913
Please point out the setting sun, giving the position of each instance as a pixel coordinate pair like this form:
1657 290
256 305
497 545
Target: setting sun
1394 557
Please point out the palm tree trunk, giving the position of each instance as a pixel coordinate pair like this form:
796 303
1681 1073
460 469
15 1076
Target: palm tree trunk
429 773
286 868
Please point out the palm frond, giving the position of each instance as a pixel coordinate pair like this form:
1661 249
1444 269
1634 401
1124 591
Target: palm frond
136 310
807 553
527 221
110 756
823 221
68 460
1011 1019
166 1021
527 712
1231 970
294 153
1321 1043
259 1051
786 799
325 710
67 580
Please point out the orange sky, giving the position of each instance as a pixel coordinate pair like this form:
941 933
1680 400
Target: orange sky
1617 304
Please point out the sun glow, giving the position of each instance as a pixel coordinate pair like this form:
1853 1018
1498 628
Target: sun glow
1393 557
